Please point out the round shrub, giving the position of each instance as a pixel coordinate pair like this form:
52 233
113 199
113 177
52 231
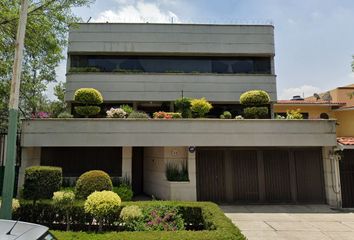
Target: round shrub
124 191
88 96
183 105
87 110
126 108
95 180
130 213
65 115
138 115
130 216
200 107
63 198
226 115
255 112
41 182
101 205
254 98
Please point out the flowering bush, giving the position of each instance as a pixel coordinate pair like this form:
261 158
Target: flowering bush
102 204
116 113
15 204
200 107
239 117
40 115
160 218
167 115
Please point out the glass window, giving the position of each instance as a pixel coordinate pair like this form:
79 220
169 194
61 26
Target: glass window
175 64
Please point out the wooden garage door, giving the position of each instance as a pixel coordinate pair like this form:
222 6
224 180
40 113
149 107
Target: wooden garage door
347 178
210 175
277 176
260 175
244 180
309 176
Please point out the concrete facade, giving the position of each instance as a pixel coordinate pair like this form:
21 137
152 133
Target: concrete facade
176 40
155 182
183 132
31 156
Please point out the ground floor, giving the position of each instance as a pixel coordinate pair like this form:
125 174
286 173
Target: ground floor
252 175
278 222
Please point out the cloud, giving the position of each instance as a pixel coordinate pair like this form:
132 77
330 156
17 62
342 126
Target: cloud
304 90
138 11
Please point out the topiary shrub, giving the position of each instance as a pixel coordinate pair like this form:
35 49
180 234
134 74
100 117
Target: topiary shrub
95 180
138 115
254 98
200 107
130 215
41 182
183 105
124 191
256 112
64 200
101 205
88 98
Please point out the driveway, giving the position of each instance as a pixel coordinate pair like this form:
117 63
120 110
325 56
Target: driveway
305 222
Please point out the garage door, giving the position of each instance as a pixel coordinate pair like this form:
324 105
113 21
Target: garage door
347 178
260 175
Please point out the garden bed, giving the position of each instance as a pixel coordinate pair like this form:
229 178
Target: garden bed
202 220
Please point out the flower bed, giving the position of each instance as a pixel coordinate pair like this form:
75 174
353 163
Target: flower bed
205 220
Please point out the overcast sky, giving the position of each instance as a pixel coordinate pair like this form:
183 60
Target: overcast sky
314 39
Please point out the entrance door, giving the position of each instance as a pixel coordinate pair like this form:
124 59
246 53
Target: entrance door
137 170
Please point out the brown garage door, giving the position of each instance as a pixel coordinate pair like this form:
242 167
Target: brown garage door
347 178
260 175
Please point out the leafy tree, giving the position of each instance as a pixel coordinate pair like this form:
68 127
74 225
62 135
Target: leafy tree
46 33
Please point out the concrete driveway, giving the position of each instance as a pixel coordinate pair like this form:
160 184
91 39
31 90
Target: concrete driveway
305 222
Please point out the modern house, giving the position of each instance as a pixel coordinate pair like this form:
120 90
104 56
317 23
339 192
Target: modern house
149 66
339 105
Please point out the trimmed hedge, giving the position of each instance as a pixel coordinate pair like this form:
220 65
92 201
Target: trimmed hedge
41 182
95 180
217 225
255 112
254 98
87 110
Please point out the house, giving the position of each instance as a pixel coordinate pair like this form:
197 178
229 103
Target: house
339 106
149 66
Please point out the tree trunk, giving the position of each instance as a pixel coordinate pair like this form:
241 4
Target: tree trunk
100 226
67 221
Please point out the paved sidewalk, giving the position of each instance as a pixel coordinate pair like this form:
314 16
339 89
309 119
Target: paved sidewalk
290 222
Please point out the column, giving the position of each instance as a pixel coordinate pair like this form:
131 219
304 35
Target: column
30 156
127 154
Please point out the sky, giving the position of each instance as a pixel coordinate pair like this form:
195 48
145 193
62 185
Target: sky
314 39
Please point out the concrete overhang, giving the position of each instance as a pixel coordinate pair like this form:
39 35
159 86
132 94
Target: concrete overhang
183 132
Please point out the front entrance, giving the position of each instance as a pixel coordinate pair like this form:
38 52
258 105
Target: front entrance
346 165
260 175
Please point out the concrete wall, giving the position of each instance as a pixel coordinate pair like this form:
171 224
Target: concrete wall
168 87
155 182
171 38
31 156
331 177
183 132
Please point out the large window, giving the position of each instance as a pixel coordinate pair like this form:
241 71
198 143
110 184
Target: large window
150 64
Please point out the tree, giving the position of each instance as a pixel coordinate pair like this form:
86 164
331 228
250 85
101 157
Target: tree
46 34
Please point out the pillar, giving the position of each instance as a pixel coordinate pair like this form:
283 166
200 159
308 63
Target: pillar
30 156
127 154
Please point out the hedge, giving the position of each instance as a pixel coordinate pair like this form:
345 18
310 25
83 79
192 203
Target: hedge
41 182
207 215
256 112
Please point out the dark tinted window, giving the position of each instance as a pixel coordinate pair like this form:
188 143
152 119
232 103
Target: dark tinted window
223 65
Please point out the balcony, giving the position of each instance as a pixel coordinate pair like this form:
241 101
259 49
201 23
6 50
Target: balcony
181 132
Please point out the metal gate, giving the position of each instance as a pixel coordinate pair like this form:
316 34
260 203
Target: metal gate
265 175
347 178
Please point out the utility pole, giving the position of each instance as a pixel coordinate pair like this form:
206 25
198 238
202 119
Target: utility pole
9 176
